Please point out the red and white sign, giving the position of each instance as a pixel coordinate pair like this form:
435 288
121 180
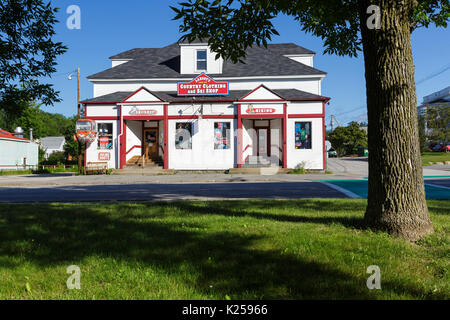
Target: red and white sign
203 85
142 112
103 142
104 156
253 110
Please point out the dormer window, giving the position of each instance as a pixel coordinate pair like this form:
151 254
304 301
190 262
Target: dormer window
201 60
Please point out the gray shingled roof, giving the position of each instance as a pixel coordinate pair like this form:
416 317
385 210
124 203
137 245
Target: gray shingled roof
53 143
171 96
153 63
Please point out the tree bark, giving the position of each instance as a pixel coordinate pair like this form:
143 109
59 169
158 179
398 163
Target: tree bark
396 200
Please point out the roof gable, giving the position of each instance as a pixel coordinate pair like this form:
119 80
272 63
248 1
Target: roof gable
142 95
261 93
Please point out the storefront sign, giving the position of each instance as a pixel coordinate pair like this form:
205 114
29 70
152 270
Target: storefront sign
103 142
142 112
253 110
104 156
203 85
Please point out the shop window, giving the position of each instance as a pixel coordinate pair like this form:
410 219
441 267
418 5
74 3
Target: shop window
221 135
105 136
303 135
183 135
201 60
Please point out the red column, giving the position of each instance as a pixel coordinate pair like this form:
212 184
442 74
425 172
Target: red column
240 139
123 145
166 136
324 147
285 117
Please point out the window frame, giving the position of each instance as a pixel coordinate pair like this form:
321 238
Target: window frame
109 135
190 137
197 60
227 135
302 124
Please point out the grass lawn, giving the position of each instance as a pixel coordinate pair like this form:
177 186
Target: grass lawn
290 249
434 157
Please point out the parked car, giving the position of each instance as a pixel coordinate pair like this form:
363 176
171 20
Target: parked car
436 148
445 148
332 153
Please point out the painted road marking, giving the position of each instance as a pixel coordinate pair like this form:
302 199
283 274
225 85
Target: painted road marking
360 189
437 186
344 191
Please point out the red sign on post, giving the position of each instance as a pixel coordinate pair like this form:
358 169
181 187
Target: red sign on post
203 85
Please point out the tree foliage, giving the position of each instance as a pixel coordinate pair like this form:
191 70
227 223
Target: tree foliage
347 140
27 53
437 119
233 25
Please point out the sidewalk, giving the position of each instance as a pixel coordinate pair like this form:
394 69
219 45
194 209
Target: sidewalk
66 180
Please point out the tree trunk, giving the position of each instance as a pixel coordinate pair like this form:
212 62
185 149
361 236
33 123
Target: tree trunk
396 201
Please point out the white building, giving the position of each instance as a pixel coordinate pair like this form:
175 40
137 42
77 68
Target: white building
180 107
16 152
52 145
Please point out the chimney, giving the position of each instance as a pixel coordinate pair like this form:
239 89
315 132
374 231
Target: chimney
31 134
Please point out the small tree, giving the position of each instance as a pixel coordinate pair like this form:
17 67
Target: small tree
437 119
347 140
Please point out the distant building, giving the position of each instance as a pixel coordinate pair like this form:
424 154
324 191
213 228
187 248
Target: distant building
52 145
437 99
16 152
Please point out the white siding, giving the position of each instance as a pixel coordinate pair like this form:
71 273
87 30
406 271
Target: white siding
312 158
202 156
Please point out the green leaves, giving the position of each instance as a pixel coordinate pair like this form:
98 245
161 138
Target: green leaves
27 52
234 25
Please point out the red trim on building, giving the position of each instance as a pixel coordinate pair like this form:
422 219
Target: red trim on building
203 116
132 148
143 118
257 88
316 115
166 136
8 135
138 90
122 141
240 138
285 117
262 116
324 146
103 118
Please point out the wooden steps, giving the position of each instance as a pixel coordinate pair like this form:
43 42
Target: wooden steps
138 161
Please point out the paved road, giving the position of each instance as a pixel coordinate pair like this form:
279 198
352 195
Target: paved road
359 167
143 192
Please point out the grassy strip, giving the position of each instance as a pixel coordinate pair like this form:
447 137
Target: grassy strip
41 170
290 249
428 157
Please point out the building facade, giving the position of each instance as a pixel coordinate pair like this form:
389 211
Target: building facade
16 152
180 107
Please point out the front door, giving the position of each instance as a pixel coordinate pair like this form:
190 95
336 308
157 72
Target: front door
151 143
263 142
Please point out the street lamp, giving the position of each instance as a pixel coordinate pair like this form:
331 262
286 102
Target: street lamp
78 114
78 89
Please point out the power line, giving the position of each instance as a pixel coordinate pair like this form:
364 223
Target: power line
434 74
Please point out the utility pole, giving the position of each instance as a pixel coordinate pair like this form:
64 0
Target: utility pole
78 100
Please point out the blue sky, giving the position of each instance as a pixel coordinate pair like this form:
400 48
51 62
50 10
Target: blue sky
111 27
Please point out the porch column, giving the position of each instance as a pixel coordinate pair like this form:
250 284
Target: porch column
166 136
239 138
123 145
285 117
